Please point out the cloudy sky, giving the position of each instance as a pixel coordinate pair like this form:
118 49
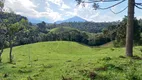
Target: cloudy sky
54 10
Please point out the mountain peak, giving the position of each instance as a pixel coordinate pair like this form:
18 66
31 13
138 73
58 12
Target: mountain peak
73 19
76 17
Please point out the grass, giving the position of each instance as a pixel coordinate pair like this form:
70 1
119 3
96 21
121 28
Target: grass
70 61
62 29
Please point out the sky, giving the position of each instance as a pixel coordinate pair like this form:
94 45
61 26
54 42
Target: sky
57 10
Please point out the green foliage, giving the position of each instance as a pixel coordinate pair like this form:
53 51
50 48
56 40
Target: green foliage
98 39
121 33
92 27
13 25
42 27
1 5
67 34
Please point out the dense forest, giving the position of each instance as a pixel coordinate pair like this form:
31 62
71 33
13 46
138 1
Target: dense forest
92 27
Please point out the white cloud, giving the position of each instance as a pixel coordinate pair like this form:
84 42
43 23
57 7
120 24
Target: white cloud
57 2
50 14
21 6
86 12
28 8
90 14
64 6
108 16
60 3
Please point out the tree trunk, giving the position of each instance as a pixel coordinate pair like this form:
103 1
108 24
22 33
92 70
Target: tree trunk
10 54
130 25
1 54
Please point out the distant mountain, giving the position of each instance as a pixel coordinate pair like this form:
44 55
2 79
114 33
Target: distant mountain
73 19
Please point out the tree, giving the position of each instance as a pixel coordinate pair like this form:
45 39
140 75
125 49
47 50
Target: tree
42 27
130 21
1 5
2 39
2 31
105 32
13 29
112 32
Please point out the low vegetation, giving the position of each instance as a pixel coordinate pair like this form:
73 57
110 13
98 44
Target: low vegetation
62 60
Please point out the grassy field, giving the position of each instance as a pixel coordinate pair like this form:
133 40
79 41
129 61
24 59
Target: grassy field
70 61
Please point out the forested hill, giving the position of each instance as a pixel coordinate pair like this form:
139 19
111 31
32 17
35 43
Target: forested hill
11 17
92 27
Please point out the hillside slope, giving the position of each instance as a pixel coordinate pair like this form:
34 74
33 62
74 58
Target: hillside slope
69 61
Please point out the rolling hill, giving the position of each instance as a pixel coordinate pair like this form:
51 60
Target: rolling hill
62 30
61 60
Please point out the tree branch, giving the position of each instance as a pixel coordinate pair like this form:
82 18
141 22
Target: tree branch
138 6
94 1
113 5
1 50
119 11
96 5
